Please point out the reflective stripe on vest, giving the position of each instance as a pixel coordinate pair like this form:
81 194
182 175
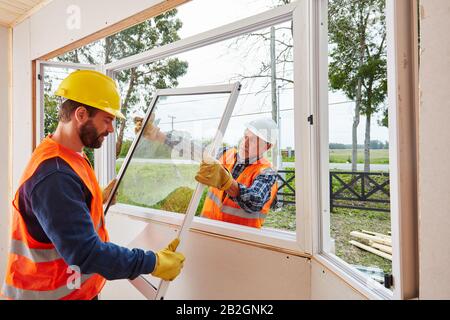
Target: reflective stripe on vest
56 294
241 213
35 255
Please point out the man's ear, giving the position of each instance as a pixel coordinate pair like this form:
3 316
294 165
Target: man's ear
81 114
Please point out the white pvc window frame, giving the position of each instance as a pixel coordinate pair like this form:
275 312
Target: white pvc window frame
314 84
315 94
272 237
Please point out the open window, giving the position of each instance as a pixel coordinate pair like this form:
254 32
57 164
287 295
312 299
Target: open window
357 223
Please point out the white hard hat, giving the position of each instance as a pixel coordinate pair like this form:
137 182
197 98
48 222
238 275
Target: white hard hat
264 128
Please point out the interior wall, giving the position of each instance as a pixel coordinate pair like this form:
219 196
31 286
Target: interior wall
326 285
22 134
4 145
215 268
434 173
267 274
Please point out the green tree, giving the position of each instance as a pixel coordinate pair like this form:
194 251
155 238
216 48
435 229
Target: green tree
357 35
50 108
137 83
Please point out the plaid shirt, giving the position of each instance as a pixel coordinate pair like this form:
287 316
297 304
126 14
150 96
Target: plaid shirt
253 198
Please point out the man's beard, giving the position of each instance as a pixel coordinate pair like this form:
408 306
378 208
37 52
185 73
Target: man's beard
90 136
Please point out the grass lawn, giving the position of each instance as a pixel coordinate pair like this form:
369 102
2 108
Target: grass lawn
377 156
345 221
158 186
283 218
345 156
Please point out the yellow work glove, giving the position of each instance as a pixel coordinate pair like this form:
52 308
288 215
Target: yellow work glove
213 174
168 262
106 192
151 132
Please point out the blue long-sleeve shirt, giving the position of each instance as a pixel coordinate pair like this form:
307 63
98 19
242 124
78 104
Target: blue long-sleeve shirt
54 204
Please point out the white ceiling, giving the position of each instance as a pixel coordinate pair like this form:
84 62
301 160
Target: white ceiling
14 11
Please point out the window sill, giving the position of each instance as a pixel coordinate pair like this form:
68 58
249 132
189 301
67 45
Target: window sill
269 238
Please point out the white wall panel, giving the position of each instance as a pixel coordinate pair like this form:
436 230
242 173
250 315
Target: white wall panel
22 112
434 173
4 145
326 285
215 268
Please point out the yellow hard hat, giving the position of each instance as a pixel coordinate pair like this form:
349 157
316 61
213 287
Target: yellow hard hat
93 89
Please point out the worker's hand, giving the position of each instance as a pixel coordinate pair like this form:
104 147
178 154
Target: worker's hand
168 262
151 132
107 192
213 174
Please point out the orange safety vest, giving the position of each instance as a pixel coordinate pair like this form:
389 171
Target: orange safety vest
35 270
219 206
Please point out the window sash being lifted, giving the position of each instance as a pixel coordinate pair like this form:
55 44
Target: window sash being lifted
142 284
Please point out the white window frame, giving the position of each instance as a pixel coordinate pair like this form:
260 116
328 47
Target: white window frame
404 268
295 242
231 89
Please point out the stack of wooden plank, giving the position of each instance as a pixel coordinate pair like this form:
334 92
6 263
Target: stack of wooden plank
377 243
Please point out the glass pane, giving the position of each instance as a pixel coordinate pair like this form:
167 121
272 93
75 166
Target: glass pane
160 174
281 214
358 143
